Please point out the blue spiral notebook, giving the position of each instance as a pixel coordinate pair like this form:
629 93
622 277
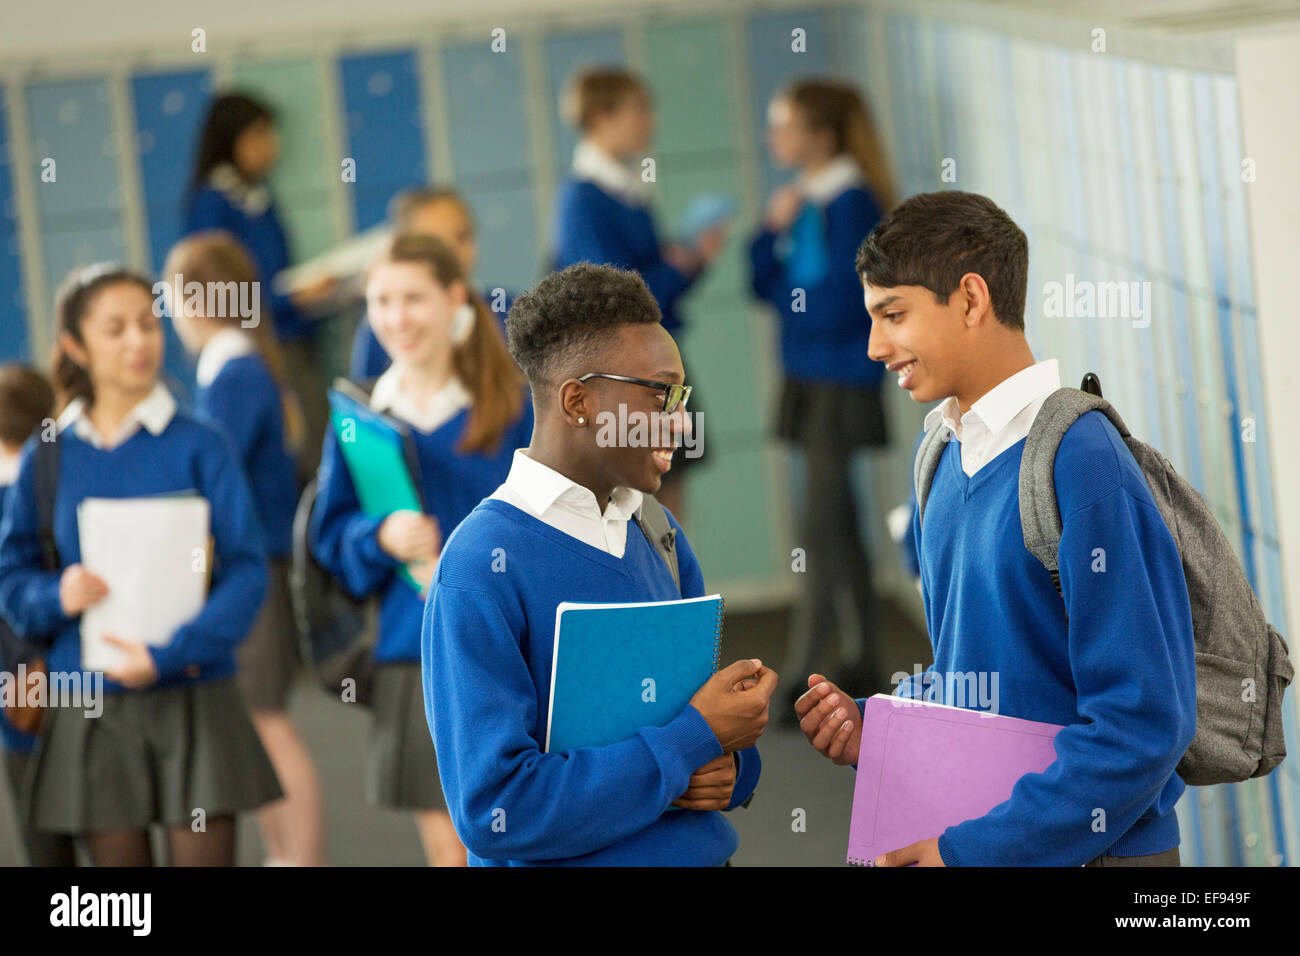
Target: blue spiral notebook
619 667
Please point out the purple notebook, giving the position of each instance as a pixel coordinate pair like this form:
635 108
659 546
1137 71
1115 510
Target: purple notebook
923 767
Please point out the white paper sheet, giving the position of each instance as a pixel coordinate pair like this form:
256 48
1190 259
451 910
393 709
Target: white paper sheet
154 556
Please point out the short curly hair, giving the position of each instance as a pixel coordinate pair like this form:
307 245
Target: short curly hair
556 328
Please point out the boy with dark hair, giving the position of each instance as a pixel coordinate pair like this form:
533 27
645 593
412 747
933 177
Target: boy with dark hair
26 401
591 343
1110 657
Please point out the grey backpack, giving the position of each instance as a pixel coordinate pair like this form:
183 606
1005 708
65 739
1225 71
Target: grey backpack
653 522
1242 667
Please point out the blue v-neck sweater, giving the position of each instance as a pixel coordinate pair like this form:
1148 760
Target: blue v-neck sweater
189 455
345 540
1118 671
486 649
591 225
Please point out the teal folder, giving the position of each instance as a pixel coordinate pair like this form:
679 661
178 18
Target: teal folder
379 455
619 667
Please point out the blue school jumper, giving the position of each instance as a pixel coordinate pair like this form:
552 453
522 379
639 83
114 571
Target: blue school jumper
369 360
826 341
486 646
590 225
1118 671
189 455
346 542
245 401
263 236
11 738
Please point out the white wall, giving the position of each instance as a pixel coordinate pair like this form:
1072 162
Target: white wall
1268 75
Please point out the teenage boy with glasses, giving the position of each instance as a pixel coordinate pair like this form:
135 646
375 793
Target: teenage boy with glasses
558 530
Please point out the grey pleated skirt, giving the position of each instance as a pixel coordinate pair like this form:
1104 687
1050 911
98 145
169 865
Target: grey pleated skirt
401 766
152 756
269 657
841 416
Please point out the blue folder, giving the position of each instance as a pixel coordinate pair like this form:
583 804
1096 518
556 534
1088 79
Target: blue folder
619 667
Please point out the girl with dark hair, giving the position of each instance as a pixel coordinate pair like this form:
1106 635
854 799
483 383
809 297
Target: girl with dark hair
237 148
174 738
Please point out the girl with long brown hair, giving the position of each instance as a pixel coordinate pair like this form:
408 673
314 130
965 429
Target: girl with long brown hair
242 387
801 263
456 389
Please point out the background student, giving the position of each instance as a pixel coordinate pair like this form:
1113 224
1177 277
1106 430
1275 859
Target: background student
801 264
26 401
174 737
561 521
454 384
444 214
241 386
1111 656
602 213
237 148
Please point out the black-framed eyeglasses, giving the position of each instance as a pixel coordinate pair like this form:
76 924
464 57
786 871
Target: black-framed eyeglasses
675 395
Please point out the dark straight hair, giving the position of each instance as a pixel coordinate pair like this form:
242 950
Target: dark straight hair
933 239
228 116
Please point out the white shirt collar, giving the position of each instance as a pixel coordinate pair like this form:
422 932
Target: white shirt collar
1000 404
593 164
155 412
568 507
1001 417
229 343
253 200
831 180
542 486
388 396
9 467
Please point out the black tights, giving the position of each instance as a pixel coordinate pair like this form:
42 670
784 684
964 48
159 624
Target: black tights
215 847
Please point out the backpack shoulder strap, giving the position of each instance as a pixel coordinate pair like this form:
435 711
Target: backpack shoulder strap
926 461
653 522
1040 517
45 478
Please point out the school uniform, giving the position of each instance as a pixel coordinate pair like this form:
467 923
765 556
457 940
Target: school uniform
247 211
226 202
602 216
237 391
1112 660
487 648
185 742
18 747
402 769
830 404
369 360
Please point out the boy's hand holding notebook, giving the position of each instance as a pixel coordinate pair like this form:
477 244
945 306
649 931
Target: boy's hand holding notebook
617 668
735 703
924 767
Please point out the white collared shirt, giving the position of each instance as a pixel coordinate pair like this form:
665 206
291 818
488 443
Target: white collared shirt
229 343
567 506
831 180
9 467
593 164
253 199
1001 417
444 405
154 412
